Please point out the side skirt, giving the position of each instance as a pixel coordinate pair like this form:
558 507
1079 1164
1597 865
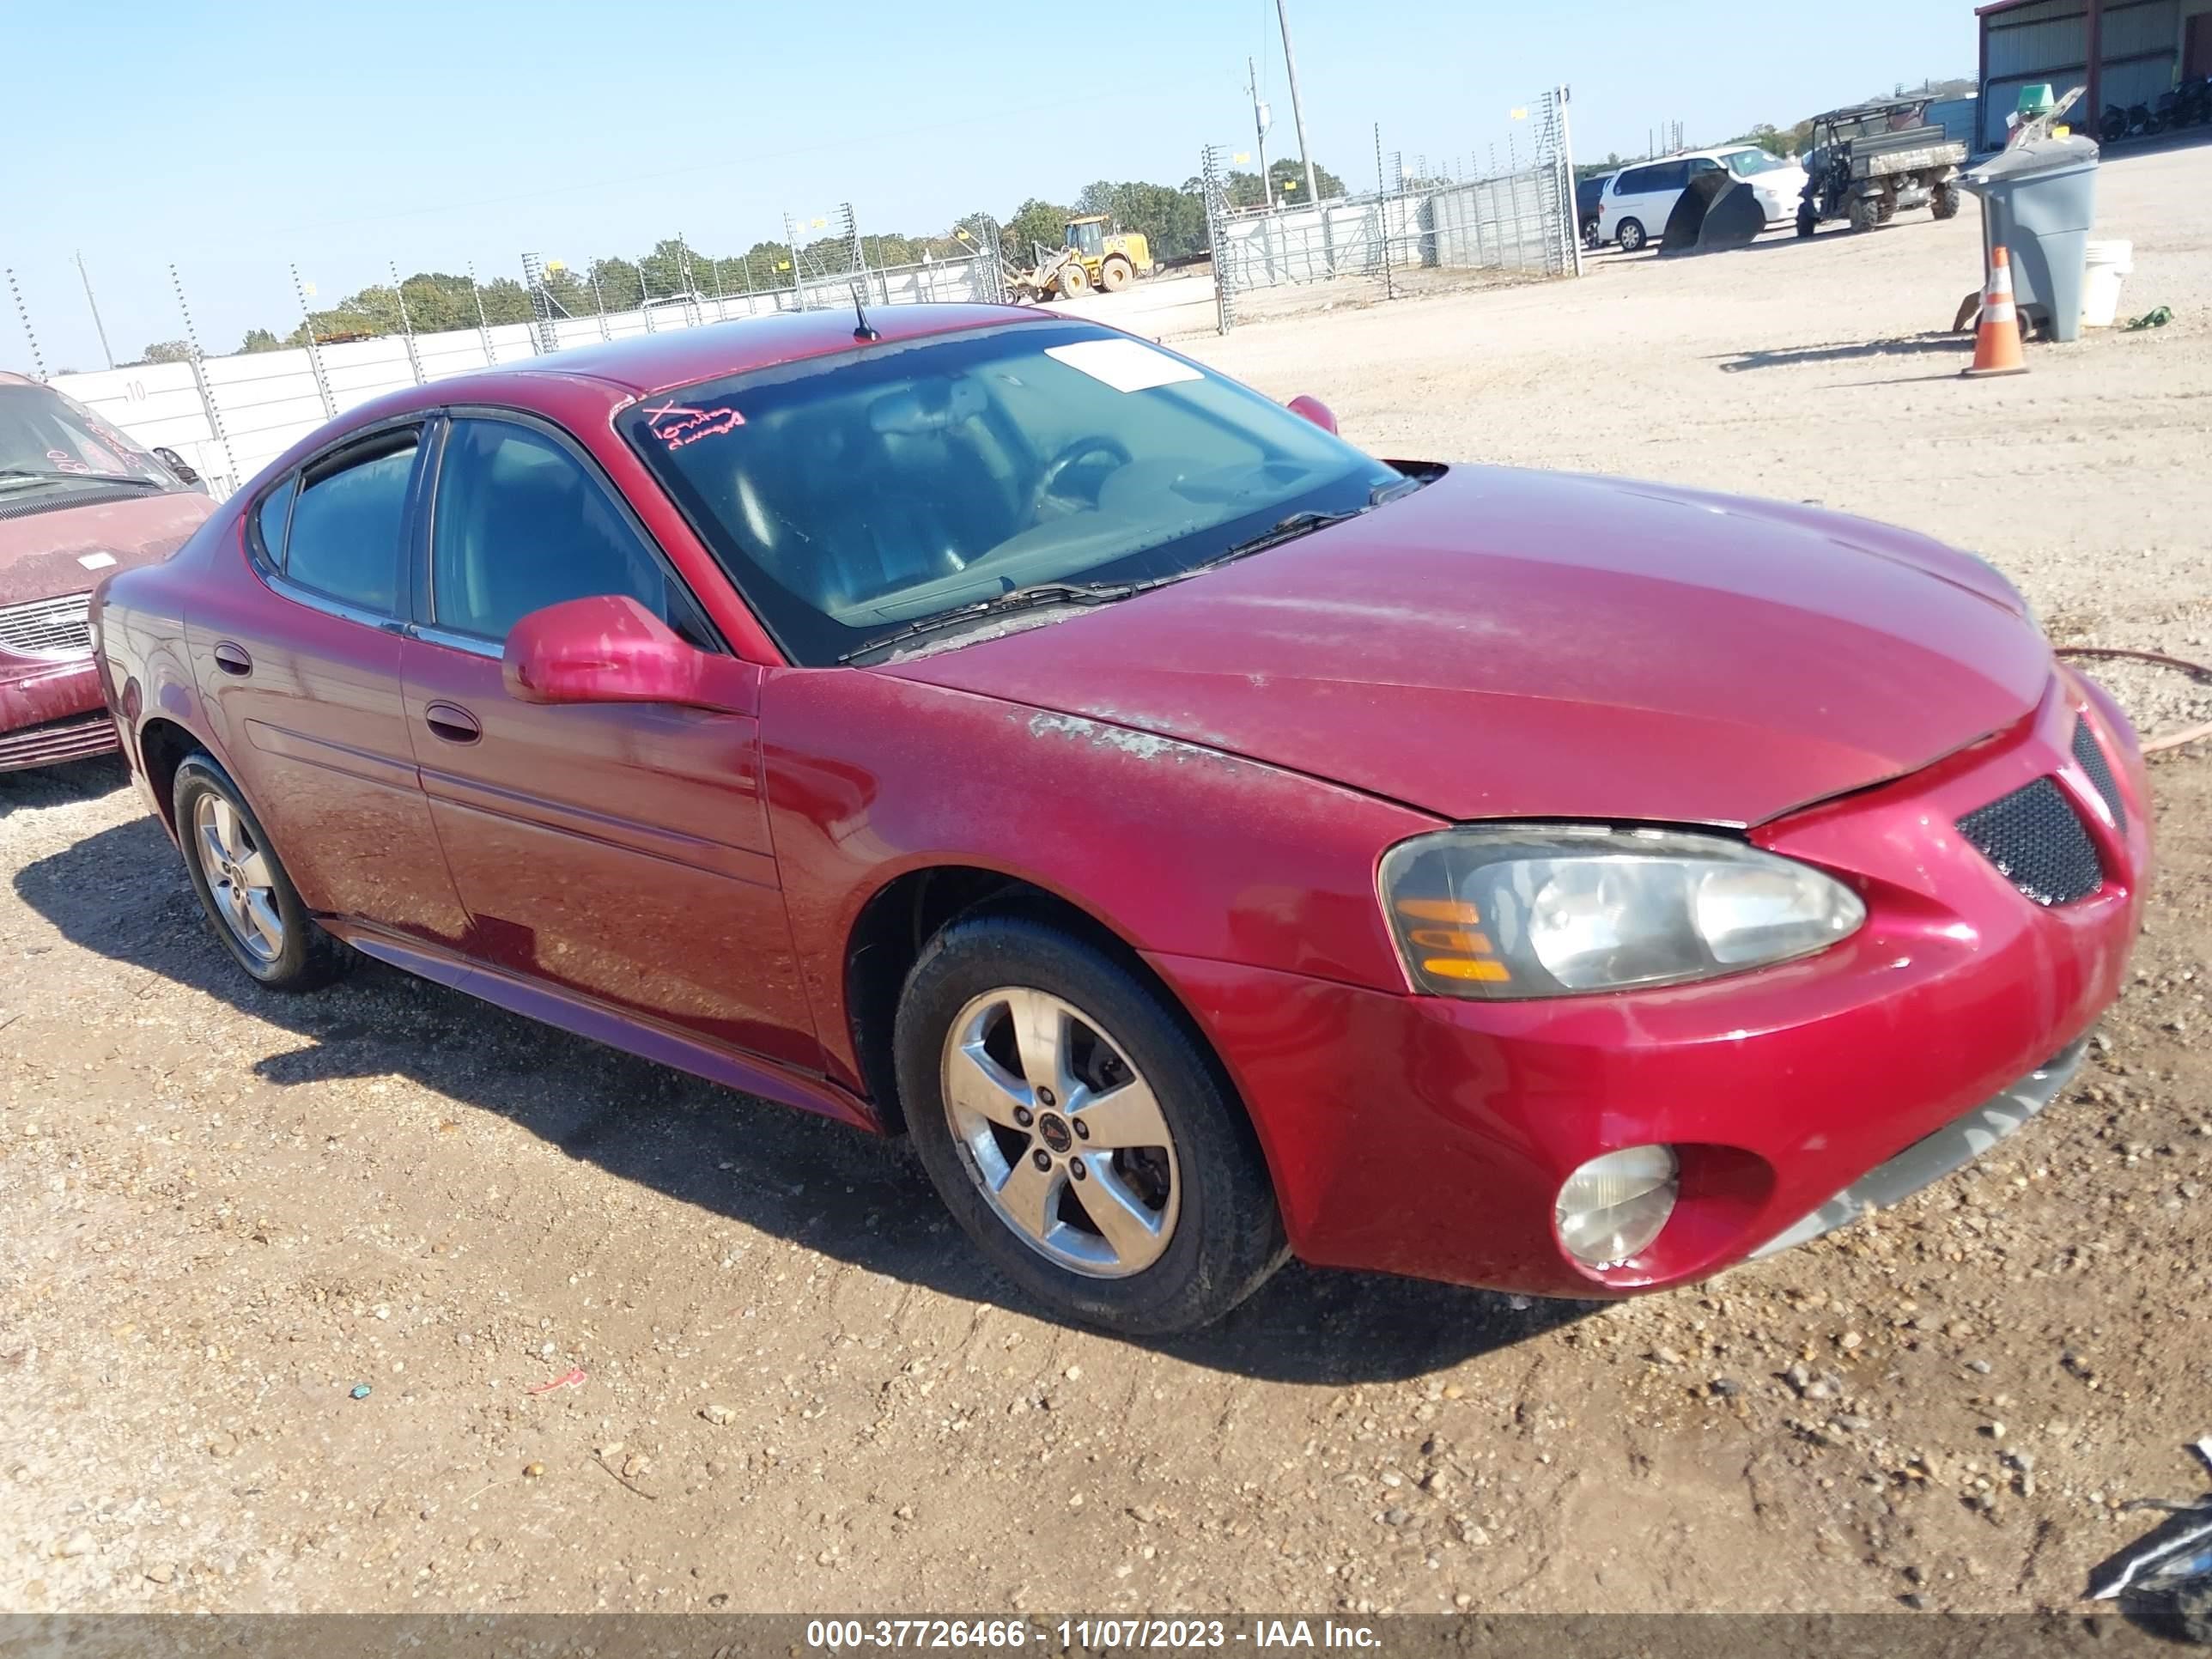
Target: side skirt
648 1039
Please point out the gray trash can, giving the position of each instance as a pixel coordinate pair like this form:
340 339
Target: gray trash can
2039 200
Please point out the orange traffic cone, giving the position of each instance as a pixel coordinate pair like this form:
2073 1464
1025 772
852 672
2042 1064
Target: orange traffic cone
1996 346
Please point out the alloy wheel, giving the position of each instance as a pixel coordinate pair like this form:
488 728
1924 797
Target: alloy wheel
1063 1137
239 878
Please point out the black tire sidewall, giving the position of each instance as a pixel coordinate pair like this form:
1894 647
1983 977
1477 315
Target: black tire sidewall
1637 246
1227 1235
305 960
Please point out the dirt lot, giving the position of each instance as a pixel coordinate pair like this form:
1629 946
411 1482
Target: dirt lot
227 1215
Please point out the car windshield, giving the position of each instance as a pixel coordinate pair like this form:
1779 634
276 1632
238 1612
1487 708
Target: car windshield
1745 162
46 439
852 497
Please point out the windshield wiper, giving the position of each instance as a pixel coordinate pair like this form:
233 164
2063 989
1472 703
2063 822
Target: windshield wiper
83 477
1283 530
1302 523
1017 598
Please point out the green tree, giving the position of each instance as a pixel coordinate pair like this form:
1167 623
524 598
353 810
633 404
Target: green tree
1036 223
260 339
1172 222
568 296
1784 141
1288 176
168 351
614 284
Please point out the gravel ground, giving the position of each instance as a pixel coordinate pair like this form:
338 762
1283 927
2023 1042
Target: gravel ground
283 1284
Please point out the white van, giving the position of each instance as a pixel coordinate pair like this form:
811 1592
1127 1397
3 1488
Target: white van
1634 210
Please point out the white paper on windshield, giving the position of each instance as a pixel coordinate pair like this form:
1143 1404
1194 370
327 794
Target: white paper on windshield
1125 364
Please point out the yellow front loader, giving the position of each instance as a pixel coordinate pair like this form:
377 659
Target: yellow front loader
1093 257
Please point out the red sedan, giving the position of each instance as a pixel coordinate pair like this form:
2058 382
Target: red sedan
77 500
1206 842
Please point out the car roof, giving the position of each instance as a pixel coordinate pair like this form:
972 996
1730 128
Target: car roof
653 362
1714 150
591 382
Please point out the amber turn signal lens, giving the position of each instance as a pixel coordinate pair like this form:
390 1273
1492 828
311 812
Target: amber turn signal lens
1450 939
1485 973
1438 910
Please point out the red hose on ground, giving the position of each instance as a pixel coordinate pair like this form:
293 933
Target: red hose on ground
2171 739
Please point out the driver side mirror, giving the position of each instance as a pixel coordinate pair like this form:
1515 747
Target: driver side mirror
1314 410
609 649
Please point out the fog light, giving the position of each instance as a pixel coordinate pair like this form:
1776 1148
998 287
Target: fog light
1613 1206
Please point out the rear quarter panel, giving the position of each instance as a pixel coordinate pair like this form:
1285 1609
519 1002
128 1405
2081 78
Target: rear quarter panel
139 618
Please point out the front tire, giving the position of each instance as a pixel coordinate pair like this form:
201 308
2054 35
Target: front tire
1631 237
1074 281
1079 1131
1808 222
244 887
1866 213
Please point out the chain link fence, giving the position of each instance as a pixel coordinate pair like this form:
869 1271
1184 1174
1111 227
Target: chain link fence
1417 230
229 415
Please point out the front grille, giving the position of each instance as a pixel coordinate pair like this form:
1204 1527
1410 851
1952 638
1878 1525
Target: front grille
58 629
2090 754
2036 839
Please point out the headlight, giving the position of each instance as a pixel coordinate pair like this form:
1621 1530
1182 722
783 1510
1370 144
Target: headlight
1517 913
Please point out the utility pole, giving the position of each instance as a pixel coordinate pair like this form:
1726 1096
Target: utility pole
99 327
1298 109
1260 123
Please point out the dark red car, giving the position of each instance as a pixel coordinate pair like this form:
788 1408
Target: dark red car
77 500
1205 840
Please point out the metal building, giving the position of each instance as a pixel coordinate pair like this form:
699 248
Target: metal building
2126 51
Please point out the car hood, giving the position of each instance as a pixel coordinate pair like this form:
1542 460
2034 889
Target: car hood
44 545
1515 644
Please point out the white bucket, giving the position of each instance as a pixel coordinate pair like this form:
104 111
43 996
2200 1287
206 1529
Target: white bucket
2105 264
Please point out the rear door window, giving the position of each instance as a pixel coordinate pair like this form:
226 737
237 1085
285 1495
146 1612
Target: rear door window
349 524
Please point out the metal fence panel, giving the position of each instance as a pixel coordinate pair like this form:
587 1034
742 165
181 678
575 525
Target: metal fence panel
230 416
1518 220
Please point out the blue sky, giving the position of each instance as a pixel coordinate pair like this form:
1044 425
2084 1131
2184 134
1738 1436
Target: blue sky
236 139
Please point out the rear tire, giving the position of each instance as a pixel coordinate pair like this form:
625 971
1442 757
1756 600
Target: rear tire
1115 275
1000 1005
244 887
1631 237
1945 203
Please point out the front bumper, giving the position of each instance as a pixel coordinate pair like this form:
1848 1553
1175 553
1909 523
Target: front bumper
1430 1136
1947 1152
51 712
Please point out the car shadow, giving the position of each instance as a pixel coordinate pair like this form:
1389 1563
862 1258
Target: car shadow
1910 345
62 785
850 1195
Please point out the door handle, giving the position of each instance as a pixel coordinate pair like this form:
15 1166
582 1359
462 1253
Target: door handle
233 659
451 722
